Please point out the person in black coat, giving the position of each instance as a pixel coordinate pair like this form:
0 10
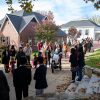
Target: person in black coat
81 63
4 87
74 63
19 54
12 51
40 77
6 59
22 79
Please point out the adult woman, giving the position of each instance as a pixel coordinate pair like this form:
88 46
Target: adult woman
19 54
6 59
12 51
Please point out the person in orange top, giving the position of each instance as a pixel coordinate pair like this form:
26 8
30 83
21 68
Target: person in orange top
65 49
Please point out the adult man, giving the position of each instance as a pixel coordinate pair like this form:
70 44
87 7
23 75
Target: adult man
28 52
22 79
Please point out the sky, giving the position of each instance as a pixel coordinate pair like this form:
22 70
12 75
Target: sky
63 10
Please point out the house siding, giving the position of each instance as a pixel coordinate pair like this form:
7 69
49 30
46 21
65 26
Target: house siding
83 29
9 31
29 33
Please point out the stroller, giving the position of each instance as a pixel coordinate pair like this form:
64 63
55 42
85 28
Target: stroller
55 63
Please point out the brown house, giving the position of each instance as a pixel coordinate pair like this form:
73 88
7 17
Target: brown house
19 26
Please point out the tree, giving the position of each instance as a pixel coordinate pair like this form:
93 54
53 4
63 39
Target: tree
95 19
73 33
24 4
96 3
27 4
46 30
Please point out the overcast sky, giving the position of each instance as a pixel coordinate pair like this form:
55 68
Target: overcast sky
63 10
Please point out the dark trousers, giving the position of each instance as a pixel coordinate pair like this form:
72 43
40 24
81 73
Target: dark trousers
73 75
6 67
80 73
18 64
28 59
20 91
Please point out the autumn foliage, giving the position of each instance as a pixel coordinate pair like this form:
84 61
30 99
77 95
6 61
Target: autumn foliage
73 33
46 30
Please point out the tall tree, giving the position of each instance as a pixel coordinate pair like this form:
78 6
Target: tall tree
27 4
96 3
24 4
95 19
46 30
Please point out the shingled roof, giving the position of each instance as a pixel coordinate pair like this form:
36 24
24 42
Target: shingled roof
61 33
20 19
80 23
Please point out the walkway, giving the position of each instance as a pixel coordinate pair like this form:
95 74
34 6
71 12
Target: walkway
55 79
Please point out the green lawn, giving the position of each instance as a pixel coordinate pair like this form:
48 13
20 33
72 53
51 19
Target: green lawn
93 59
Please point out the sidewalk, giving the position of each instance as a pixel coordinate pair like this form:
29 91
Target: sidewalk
53 80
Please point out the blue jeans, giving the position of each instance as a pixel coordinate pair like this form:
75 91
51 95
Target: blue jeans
79 72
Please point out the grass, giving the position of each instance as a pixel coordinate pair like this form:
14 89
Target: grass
93 59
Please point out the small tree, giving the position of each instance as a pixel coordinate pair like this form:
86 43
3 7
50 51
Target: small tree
46 30
73 33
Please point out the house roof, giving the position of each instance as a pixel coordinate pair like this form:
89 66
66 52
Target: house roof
1 21
61 33
80 23
20 19
16 21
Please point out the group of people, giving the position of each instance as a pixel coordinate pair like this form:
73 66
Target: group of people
22 75
87 44
10 56
77 62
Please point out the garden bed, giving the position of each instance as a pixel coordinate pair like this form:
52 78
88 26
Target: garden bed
93 59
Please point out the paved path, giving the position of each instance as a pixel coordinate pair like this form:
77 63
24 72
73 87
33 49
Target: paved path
53 79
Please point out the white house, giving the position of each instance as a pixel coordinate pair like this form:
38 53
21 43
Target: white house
86 27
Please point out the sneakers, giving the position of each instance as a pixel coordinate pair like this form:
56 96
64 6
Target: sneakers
78 80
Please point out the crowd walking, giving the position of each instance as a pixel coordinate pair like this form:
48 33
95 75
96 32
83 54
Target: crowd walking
17 61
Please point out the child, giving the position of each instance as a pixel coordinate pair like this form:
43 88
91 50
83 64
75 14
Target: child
40 77
74 63
35 61
12 63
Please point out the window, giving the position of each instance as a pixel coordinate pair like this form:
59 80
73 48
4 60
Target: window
80 31
86 32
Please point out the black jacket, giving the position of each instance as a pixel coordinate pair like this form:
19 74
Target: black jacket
19 55
40 77
5 57
22 76
81 61
73 60
4 87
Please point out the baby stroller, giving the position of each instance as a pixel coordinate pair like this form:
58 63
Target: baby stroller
55 63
